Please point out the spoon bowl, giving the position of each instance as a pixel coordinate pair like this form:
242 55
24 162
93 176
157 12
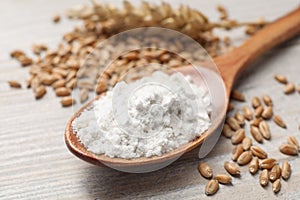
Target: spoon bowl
230 66
145 164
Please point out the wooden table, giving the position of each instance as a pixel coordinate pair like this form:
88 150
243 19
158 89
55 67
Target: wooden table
35 163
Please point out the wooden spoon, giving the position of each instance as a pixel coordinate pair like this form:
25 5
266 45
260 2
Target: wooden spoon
230 66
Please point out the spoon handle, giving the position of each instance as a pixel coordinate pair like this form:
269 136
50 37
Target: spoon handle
232 63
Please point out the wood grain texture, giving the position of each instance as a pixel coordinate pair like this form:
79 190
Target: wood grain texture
35 163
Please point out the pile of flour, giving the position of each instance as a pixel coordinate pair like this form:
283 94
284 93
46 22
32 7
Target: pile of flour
148 117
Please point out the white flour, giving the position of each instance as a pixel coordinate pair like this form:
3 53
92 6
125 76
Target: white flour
149 117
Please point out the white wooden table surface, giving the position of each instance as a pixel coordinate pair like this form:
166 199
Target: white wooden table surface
35 163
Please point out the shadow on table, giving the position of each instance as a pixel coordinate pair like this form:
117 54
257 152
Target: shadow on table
106 183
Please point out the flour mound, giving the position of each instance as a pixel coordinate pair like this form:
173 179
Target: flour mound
148 117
